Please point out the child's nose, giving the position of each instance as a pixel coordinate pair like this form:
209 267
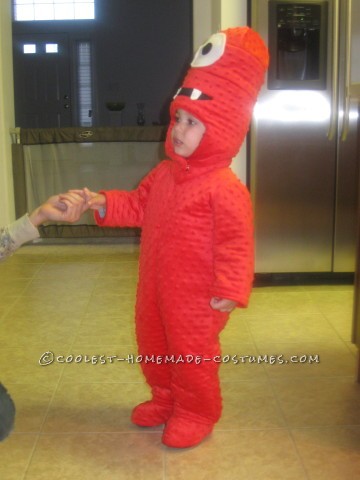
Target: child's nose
179 126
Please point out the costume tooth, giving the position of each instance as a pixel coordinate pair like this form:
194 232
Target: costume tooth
196 94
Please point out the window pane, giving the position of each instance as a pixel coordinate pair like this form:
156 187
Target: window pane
84 83
29 48
27 10
24 13
44 12
64 12
84 11
51 48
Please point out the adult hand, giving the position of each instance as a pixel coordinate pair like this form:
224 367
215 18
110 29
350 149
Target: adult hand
67 207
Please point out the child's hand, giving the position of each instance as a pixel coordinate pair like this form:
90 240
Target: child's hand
222 304
94 200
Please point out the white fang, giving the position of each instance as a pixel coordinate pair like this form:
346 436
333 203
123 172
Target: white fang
195 94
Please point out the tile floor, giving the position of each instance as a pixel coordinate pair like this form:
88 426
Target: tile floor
283 421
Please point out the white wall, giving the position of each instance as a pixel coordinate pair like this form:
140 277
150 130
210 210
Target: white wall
209 17
7 118
207 20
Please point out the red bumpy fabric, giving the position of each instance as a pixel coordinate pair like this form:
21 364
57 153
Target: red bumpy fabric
197 233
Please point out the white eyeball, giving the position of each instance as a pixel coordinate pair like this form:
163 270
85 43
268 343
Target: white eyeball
211 51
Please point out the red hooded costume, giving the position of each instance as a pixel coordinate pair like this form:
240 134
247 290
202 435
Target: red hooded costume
197 239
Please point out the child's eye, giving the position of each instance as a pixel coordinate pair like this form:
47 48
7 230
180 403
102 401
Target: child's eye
211 51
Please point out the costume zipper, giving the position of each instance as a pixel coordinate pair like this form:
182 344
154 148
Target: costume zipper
187 168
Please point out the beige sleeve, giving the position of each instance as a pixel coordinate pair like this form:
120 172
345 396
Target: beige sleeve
15 234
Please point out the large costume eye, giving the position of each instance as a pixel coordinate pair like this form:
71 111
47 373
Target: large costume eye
211 51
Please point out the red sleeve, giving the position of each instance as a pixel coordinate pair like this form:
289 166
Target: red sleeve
233 243
126 208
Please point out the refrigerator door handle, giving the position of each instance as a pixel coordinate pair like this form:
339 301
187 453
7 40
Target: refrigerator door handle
334 72
346 121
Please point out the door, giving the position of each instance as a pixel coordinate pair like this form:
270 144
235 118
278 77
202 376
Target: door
293 162
348 159
42 81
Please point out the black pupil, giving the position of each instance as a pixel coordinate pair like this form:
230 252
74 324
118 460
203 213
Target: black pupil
206 49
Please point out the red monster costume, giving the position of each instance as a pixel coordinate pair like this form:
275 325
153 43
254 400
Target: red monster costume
197 239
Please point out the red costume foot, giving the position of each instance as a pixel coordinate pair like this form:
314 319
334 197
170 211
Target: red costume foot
183 433
151 414
154 412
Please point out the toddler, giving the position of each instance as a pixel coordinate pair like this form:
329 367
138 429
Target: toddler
196 256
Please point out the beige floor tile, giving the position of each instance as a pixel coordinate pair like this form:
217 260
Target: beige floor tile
236 330
326 401
12 286
15 454
21 365
36 249
238 365
26 331
67 271
290 328
102 364
27 255
59 287
6 303
77 301
95 407
32 402
249 405
242 455
20 270
124 316
123 253
353 349
132 456
342 324
307 359
338 301
50 308
76 256
116 286
330 288
120 269
110 304
281 303
105 331
329 453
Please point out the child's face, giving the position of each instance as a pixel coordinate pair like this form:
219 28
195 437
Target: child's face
187 133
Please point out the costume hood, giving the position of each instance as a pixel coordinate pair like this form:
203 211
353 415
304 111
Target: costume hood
220 89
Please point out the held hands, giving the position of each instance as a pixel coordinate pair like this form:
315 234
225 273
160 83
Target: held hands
222 304
62 208
93 200
67 207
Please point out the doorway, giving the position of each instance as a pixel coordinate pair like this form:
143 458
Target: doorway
42 80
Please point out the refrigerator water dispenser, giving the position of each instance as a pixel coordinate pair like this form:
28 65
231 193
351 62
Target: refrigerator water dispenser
297 44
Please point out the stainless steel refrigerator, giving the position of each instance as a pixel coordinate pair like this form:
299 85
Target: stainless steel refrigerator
303 155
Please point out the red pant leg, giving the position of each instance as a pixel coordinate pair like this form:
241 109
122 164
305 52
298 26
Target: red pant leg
194 332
